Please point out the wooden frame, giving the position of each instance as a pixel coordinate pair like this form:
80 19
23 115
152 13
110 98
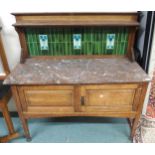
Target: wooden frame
24 20
133 114
3 102
49 100
3 106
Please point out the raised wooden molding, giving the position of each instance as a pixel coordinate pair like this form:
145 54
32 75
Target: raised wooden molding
75 19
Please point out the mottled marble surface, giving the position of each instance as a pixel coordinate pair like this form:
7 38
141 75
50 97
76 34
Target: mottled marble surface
76 71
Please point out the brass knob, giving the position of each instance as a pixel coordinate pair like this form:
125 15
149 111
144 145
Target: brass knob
82 100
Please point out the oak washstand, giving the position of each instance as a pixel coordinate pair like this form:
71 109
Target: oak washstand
77 64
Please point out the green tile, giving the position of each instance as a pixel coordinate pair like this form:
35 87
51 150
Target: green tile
61 43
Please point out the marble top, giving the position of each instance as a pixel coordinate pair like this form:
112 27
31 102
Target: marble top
76 71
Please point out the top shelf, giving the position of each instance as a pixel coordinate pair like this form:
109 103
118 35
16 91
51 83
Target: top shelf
75 19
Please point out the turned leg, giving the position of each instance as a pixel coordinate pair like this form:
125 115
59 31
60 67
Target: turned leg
134 126
26 129
130 122
142 89
20 112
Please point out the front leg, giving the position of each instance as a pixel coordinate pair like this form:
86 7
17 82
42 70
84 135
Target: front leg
139 108
20 112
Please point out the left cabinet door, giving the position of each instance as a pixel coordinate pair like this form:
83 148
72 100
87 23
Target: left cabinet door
47 99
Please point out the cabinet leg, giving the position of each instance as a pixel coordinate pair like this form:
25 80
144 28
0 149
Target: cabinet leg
20 112
130 122
143 89
26 129
134 126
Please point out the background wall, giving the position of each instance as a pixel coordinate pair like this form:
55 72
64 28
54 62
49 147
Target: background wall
10 37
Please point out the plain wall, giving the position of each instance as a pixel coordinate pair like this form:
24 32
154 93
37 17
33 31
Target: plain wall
9 35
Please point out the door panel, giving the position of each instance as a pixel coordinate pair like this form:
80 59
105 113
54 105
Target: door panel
55 97
49 97
108 97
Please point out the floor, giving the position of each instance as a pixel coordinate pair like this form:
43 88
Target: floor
73 130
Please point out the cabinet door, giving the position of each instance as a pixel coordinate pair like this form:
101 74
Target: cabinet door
108 97
47 98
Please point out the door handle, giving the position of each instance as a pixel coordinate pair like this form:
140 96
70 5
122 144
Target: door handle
82 100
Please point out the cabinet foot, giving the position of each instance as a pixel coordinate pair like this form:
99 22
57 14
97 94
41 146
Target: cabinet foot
29 139
130 138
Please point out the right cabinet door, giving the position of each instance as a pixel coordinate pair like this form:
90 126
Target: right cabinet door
112 97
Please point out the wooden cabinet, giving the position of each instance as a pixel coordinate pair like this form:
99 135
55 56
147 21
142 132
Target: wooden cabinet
110 100
100 100
87 67
104 100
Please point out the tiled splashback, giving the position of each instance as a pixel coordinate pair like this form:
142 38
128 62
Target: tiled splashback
77 41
